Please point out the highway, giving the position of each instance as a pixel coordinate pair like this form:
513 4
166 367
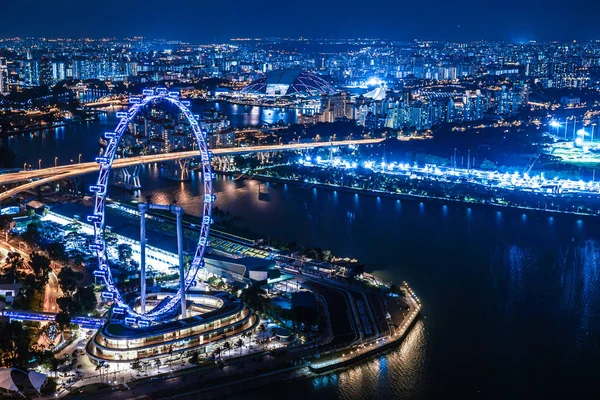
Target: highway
48 175
51 293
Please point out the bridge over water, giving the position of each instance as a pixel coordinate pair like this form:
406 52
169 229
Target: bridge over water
44 176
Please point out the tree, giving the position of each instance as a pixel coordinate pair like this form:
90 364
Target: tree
69 280
74 227
226 346
12 266
32 234
195 358
86 298
253 296
40 265
15 344
239 344
262 328
110 239
217 352
47 359
63 320
125 252
214 281
29 286
56 251
5 221
136 364
77 257
68 305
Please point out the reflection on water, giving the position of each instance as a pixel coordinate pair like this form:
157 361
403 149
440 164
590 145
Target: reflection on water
398 374
506 298
68 142
511 300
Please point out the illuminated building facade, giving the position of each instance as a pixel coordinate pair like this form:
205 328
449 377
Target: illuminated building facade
215 317
3 76
289 82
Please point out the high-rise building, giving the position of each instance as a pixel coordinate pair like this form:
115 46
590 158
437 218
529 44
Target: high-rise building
58 71
45 77
336 107
3 76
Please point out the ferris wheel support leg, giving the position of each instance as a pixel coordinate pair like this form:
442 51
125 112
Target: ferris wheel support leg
179 214
143 207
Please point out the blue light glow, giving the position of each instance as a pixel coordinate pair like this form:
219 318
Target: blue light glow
165 309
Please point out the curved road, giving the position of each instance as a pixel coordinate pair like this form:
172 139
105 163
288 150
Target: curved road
48 175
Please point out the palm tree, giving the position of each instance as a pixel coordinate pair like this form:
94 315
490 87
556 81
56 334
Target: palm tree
239 344
247 335
226 346
217 352
99 368
262 328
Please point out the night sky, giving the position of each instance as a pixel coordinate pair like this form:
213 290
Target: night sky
214 20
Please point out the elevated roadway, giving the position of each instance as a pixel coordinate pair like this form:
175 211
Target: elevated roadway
48 175
28 315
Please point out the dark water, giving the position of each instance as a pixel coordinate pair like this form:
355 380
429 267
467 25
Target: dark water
67 143
511 300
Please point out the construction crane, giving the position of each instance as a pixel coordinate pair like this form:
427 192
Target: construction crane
533 163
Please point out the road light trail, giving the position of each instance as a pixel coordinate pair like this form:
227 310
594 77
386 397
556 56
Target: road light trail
49 175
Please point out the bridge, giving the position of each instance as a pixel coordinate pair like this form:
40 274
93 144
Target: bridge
25 315
48 175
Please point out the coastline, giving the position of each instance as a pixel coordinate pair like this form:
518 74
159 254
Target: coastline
263 367
40 128
347 357
413 197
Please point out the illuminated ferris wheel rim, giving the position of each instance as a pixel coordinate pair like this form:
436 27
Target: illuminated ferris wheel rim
165 309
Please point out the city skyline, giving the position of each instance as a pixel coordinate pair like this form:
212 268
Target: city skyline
328 200
203 23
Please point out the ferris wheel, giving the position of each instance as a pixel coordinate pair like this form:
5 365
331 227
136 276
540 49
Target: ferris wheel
166 308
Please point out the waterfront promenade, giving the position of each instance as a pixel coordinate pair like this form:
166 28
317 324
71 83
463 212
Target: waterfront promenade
253 367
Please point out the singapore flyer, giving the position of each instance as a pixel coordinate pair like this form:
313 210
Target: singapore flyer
166 309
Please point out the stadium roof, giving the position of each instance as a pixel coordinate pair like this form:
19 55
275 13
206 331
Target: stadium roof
377 94
289 82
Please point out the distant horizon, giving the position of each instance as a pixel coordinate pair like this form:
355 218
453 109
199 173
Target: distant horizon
289 38
193 21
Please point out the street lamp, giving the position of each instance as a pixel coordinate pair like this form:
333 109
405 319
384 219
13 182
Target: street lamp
79 158
24 166
40 163
55 161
